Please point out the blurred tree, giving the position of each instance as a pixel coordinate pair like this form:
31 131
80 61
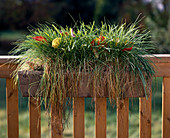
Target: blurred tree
71 10
18 14
160 35
157 19
107 9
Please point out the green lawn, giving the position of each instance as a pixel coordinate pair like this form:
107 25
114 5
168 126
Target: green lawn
9 35
89 117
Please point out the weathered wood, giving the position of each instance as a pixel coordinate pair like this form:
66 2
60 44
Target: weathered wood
160 58
7 59
34 118
145 114
12 109
78 118
166 107
6 70
162 61
29 84
56 122
162 69
123 118
100 118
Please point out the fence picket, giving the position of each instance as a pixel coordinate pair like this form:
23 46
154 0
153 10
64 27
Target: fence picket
34 118
100 118
145 115
166 108
12 109
163 66
56 122
123 118
78 117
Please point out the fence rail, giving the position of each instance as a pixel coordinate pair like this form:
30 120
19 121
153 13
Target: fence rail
162 64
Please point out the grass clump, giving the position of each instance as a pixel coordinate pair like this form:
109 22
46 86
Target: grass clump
110 58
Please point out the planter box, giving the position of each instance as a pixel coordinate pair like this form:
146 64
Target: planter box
29 84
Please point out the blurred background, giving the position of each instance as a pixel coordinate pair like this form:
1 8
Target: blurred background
17 15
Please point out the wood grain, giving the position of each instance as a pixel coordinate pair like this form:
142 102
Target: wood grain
162 61
56 122
78 118
145 114
166 107
12 109
100 118
6 70
162 69
123 118
34 118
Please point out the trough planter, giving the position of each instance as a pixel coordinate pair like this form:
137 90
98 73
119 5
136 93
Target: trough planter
29 84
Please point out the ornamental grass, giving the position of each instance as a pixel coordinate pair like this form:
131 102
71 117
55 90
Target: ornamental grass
110 58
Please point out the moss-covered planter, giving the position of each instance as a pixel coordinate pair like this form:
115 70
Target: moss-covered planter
29 85
29 82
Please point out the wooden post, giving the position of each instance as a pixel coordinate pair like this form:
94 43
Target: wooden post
166 107
145 115
78 117
123 118
34 118
100 117
56 122
12 109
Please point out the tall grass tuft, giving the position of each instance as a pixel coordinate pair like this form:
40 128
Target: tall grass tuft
109 57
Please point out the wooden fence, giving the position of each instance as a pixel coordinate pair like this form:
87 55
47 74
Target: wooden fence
162 63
